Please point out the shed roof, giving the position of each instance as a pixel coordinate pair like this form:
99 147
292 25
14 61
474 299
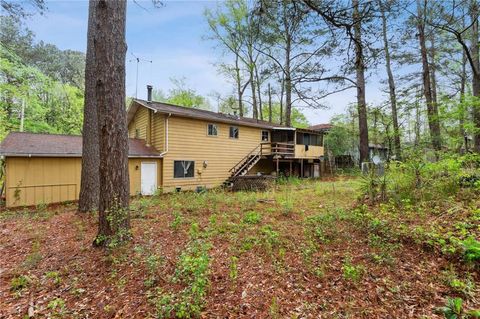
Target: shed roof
198 114
57 145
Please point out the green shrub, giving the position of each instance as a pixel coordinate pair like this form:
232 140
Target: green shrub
252 218
453 309
352 272
19 283
471 248
192 271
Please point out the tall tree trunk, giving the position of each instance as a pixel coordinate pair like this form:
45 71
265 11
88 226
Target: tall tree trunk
288 76
360 77
391 86
254 95
90 183
417 120
476 73
269 103
110 51
239 87
257 81
282 91
433 67
461 110
433 121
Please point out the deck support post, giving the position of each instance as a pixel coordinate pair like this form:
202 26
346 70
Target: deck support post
278 167
290 175
301 168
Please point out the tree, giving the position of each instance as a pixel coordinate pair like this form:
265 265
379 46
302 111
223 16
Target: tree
298 119
17 10
226 27
110 50
90 182
451 18
391 80
290 35
349 19
51 105
432 110
182 95
360 76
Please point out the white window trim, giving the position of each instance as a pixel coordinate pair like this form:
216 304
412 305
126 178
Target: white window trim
238 132
268 136
216 125
183 160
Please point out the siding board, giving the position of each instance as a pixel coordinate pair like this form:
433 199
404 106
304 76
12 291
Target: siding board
188 140
36 180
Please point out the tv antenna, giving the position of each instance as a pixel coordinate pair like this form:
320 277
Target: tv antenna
138 60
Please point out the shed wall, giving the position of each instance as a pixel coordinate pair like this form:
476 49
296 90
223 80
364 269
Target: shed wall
36 180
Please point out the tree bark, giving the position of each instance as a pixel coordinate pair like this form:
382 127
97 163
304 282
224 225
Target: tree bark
90 183
476 75
360 76
282 91
259 92
288 76
391 86
461 109
110 51
239 87
433 67
433 121
269 103
254 95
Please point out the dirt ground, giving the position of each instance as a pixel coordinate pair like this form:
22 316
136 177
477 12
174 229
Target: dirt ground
292 252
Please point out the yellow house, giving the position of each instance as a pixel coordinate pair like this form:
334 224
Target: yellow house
171 148
206 149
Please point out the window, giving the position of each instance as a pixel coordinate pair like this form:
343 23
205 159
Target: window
264 136
212 130
137 133
233 132
183 169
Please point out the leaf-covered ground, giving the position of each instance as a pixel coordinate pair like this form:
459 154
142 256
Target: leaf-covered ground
299 251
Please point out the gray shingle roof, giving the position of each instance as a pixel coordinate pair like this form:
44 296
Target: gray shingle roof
56 145
204 115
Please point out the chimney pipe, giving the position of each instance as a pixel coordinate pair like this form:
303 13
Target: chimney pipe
149 93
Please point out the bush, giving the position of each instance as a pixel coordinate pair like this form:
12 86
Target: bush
471 248
252 218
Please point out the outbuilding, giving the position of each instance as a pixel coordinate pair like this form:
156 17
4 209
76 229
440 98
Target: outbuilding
46 168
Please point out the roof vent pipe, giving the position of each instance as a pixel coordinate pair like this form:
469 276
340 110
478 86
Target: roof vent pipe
149 93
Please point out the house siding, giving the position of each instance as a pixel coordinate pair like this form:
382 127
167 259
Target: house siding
158 131
188 140
36 180
140 122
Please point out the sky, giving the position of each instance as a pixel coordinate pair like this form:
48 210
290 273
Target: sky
172 37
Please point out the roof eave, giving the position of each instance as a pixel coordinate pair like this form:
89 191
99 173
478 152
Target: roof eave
227 121
70 155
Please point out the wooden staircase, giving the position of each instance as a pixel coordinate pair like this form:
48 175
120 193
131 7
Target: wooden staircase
245 164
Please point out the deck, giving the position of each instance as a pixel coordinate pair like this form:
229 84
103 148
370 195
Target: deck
290 150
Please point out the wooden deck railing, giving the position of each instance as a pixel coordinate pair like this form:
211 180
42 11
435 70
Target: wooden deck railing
278 148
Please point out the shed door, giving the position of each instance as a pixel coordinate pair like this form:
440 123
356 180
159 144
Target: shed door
148 178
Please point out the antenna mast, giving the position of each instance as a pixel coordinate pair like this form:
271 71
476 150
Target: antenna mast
138 60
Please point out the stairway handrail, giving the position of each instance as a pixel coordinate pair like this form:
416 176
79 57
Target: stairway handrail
257 149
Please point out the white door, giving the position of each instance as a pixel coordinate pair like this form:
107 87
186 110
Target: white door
148 178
